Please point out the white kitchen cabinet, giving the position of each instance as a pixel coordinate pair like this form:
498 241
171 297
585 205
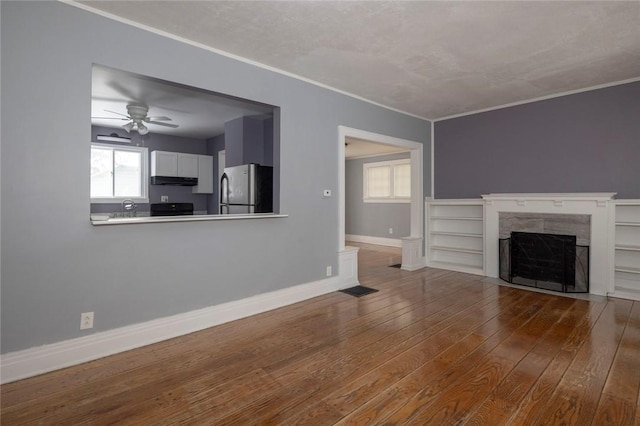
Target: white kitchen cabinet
187 165
165 163
205 175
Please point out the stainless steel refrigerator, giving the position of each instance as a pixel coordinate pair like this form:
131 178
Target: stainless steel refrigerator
246 189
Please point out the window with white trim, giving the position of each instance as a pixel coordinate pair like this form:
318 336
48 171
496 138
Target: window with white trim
119 173
387 181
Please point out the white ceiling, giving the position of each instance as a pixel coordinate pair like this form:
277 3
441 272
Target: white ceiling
430 59
198 113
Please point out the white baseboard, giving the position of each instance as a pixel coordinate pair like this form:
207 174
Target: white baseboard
41 359
456 267
381 241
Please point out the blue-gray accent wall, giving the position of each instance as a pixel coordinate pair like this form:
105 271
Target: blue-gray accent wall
585 142
56 264
373 219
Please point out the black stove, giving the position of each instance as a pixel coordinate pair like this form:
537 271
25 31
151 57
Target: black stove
171 209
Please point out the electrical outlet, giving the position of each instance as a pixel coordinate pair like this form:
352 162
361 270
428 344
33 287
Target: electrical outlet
329 271
391 230
86 320
164 198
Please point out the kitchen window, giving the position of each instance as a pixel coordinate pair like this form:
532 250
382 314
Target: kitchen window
119 173
387 181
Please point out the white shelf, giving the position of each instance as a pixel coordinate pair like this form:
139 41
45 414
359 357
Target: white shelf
456 218
456 249
457 202
456 234
626 275
455 231
627 269
627 248
458 267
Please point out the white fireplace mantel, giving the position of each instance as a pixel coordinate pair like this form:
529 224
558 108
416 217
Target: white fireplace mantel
597 205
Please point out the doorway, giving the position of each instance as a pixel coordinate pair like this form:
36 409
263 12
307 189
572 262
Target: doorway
416 203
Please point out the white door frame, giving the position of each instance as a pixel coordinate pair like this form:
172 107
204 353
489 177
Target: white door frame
417 204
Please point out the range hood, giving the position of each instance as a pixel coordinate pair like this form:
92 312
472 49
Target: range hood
174 180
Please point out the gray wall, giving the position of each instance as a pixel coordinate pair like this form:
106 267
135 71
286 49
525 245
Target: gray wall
57 266
153 142
245 141
587 142
373 219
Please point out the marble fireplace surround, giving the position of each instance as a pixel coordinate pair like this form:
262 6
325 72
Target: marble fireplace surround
595 211
578 225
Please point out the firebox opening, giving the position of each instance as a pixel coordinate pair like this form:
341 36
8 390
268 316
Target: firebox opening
546 261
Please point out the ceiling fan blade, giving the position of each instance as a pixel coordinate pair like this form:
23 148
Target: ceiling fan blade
118 113
159 123
162 118
109 118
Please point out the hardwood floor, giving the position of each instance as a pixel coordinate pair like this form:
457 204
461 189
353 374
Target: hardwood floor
431 347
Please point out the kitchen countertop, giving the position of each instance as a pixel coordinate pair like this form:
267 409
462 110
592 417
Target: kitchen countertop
187 218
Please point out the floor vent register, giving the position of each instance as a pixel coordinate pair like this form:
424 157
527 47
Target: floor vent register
358 291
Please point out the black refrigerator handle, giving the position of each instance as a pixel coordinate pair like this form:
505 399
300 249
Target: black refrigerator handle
226 192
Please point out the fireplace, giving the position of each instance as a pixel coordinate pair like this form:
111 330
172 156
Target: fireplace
546 261
598 207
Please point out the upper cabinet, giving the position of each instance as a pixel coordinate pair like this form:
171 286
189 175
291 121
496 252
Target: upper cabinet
187 165
164 163
174 164
205 175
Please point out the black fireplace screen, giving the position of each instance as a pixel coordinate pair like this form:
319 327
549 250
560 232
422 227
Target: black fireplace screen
547 261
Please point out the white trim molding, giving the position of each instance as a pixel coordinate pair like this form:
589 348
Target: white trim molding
42 359
412 259
416 155
381 241
89 8
541 98
348 267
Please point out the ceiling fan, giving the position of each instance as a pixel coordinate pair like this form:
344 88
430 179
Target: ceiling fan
137 117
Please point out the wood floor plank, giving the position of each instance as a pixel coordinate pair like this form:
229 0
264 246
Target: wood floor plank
503 401
449 400
578 324
430 347
447 367
308 380
356 392
621 390
576 396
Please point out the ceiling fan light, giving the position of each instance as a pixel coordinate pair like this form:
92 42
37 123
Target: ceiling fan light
142 129
128 126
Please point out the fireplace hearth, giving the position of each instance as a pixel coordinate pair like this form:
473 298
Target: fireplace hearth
547 261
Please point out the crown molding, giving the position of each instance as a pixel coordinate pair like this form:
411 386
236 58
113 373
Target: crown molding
541 98
229 55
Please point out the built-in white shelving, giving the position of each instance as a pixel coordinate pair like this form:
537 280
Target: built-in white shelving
627 249
455 235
